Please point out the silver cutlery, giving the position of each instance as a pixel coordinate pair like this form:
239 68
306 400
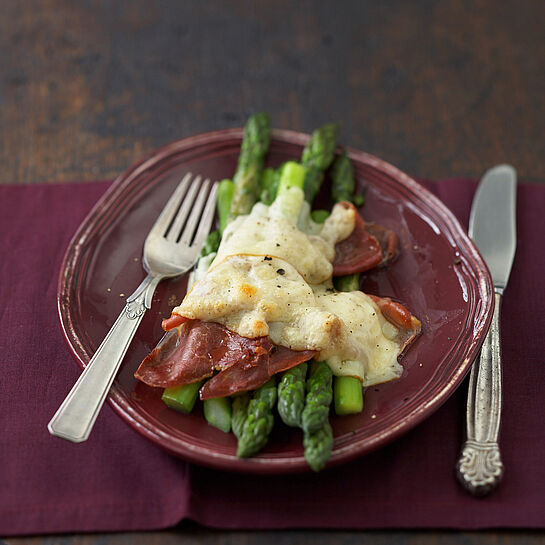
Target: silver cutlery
492 227
171 248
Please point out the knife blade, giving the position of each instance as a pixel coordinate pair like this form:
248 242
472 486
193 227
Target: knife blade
492 221
492 227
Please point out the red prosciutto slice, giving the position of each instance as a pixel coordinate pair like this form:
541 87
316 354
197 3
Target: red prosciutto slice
198 349
283 358
174 321
409 326
367 246
242 377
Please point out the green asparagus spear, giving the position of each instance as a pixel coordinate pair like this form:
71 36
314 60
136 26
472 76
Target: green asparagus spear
343 183
348 395
350 282
291 395
224 197
266 183
318 435
318 399
342 179
289 202
291 175
269 184
358 199
319 216
217 412
239 412
348 391
259 422
317 156
211 244
250 164
182 398
318 446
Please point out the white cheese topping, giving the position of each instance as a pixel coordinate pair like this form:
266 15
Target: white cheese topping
256 296
270 278
266 231
367 345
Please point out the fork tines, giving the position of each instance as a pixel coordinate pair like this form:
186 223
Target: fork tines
188 215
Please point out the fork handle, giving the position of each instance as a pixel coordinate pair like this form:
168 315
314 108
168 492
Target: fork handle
76 416
480 467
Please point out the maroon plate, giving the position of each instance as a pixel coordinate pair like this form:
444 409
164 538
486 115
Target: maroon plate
439 276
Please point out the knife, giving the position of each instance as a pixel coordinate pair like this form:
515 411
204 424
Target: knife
493 230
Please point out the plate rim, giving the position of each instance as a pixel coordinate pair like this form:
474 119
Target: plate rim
262 464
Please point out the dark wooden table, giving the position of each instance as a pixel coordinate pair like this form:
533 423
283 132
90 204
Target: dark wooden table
440 89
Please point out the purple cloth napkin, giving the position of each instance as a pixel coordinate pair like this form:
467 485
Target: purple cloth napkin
119 481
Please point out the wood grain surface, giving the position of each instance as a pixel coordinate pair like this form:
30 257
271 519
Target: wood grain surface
438 88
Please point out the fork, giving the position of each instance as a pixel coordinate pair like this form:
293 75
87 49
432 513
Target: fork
171 248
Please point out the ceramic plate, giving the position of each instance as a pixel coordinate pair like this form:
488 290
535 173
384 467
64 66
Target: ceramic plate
439 276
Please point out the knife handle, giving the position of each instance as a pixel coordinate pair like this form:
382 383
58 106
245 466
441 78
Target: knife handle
480 468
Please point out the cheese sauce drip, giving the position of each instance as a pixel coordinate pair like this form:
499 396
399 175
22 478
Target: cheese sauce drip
270 278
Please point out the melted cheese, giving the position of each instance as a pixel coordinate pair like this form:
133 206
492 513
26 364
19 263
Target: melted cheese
256 296
267 232
367 345
270 278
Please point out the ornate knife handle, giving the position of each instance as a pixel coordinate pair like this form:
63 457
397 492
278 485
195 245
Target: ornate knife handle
480 468
76 416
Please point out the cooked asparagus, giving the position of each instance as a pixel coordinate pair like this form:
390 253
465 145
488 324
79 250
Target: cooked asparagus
224 197
259 421
319 216
217 412
291 395
318 446
239 412
182 398
348 392
317 432
289 202
343 184
348 395
250 164
269 184
318 399
350 282
211 244
317 156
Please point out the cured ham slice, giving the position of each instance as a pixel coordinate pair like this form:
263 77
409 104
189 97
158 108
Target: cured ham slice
240 377
245 377
283 358
198 349
408 325
175 320
368 246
